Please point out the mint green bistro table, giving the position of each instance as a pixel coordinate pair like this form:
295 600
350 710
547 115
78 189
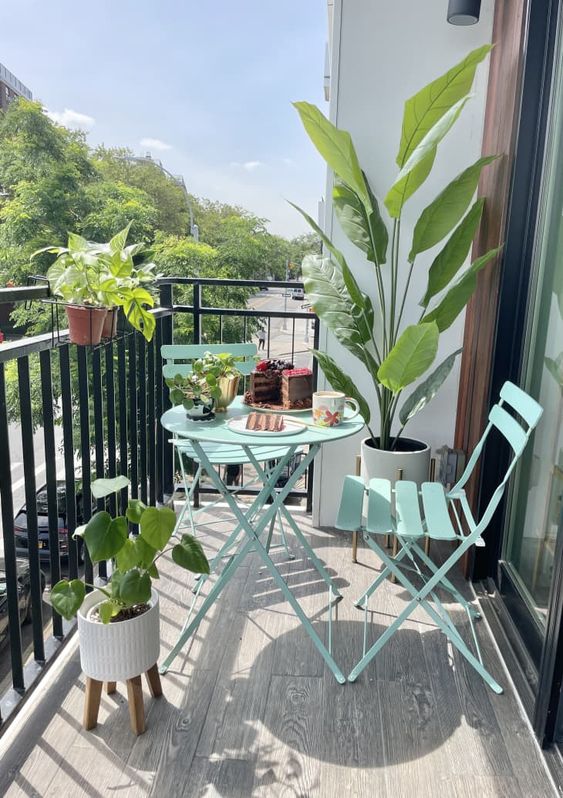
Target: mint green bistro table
253 521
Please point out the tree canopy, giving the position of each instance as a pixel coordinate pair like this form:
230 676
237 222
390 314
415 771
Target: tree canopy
52 183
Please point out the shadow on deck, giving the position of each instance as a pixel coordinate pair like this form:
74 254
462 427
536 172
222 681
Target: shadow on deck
249 709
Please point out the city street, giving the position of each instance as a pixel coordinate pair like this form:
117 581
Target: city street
280 336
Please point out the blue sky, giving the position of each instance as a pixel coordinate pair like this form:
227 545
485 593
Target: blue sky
209 82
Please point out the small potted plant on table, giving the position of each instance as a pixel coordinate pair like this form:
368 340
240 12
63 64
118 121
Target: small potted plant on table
118 624
195 393
223 369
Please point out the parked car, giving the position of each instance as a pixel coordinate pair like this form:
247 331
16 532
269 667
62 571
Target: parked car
24 596
20 524
297 293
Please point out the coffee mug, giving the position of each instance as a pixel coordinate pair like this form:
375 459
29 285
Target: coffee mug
328 408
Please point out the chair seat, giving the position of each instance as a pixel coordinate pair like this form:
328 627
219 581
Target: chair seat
226 454
410 520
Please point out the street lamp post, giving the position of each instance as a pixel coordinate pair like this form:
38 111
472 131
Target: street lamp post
178 179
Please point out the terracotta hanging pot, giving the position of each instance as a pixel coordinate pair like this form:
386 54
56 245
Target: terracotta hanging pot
109 330
85 324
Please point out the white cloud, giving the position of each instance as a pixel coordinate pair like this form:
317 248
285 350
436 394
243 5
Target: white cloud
155 144
250 166
72 119
288 161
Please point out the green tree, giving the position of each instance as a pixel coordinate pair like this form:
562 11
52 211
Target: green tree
169 199
43 171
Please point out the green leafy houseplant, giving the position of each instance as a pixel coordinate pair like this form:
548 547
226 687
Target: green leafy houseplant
135 558
396 356
205 385
104 275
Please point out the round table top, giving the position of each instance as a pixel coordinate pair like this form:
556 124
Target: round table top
176 421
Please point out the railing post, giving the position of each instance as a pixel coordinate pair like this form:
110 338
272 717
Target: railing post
311 471
197 340
10 567
197 313
167 462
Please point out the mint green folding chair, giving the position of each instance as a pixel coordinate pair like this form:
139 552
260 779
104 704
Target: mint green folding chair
397 511
178 359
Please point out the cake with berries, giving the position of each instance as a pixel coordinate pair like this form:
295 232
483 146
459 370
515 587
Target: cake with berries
296 388
277 384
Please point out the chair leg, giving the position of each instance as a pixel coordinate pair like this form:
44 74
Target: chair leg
153 681
136 705
92 703
355 546
110 688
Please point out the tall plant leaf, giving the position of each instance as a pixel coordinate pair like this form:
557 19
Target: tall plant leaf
341 382
327 292
413 353
363 226
361 309
427 390
428 105
405 186
458 296
336 253
418 165
335 146
452 257
353 218
446 210
379 232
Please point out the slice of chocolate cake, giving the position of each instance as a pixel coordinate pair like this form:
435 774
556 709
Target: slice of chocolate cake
297 388
267 422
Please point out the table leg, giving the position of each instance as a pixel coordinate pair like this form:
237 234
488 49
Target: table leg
297 532
254 542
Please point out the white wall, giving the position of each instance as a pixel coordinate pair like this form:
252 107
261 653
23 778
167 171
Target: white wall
382 53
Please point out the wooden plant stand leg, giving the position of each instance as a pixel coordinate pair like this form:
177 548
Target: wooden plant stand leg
136 705
92 703
153 681
110 688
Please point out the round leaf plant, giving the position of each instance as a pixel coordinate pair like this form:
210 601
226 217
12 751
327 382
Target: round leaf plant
135 557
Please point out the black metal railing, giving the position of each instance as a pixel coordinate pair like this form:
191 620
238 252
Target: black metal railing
96 412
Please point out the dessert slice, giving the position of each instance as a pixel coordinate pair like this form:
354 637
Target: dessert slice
297 388
267 422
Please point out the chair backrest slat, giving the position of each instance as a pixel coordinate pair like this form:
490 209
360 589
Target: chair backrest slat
171 353
509 427
523 404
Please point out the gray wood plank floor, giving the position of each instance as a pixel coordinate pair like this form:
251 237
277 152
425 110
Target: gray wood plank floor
249 709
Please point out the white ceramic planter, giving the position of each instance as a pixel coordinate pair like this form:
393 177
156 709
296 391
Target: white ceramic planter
385 465
114 652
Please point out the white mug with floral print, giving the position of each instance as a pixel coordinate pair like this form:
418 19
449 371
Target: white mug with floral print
328 408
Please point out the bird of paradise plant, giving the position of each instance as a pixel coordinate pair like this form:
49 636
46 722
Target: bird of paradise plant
396 355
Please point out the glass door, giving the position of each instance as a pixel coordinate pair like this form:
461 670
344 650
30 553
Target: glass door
529 549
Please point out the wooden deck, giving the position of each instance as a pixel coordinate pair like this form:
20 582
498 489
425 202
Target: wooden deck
250 709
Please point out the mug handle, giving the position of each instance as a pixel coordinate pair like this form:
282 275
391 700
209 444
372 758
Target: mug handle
353 402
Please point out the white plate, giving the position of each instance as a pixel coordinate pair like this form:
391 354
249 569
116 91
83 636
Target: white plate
291 427
278 409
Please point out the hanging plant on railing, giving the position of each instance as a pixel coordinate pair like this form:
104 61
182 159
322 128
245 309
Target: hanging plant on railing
95 280
396 355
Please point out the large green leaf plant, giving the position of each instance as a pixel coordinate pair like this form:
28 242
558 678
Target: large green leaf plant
105 275
135 557
396 355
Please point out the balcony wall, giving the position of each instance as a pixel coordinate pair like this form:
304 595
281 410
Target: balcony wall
378 61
